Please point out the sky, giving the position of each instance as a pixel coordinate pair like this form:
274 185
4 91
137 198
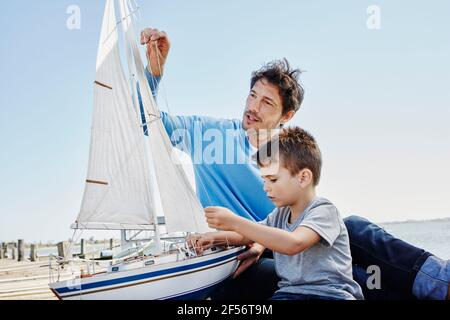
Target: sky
376 96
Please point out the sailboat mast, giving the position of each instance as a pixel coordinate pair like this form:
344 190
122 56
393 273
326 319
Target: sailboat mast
123 239
127 21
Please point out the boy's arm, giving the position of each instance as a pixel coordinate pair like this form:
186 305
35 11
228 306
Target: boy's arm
277 240
228 237
201 242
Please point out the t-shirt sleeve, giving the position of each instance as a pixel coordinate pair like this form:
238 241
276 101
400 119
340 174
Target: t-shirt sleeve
270 219
188 132
184 132
153 82
325 221
180 129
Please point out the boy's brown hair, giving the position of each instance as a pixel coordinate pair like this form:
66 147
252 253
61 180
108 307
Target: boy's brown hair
296 150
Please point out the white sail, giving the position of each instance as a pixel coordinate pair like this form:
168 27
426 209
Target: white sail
181 207
117 191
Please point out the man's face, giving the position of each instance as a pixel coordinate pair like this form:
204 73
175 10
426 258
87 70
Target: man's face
264 107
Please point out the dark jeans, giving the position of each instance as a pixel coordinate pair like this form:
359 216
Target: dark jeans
398 261
292 296
259 282
370 245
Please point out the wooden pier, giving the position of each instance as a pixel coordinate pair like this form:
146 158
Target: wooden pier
24 280
26 277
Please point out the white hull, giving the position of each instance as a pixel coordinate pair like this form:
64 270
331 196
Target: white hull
187 279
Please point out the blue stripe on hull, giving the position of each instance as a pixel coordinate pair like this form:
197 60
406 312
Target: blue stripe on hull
143 276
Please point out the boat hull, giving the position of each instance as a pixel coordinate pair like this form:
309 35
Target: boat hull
194 278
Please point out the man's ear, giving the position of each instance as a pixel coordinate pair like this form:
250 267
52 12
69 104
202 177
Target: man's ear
305 177
288 116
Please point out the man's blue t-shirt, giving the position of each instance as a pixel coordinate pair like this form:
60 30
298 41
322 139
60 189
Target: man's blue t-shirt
225 173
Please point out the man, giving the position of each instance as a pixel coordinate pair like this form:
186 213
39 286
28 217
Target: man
275 96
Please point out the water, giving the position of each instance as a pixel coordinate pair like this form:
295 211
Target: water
432 235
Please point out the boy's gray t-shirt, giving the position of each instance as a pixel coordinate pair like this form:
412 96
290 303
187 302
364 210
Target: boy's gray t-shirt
325 268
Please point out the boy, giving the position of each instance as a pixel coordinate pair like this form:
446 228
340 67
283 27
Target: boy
306 233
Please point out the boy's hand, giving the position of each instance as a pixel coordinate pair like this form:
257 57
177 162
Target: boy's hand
158 46
221 218
248 258
200 242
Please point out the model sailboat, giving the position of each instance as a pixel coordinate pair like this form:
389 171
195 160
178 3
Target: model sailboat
129 177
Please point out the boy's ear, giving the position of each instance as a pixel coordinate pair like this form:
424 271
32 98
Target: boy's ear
305 177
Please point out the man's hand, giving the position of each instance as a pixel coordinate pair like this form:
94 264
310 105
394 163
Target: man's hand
248 258
158 46
200 242
221 218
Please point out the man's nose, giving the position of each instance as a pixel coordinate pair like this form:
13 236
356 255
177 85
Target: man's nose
254 106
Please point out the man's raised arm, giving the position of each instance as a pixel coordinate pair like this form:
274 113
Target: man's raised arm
158 46
157 49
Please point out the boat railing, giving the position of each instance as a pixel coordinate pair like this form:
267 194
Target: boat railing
76 267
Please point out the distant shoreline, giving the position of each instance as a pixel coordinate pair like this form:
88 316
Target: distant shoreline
415 221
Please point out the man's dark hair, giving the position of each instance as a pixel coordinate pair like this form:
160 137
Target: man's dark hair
295 149
280 74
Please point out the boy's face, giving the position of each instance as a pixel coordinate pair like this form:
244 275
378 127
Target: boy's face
282 188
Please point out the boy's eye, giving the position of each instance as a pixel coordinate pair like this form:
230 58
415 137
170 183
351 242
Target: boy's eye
273 180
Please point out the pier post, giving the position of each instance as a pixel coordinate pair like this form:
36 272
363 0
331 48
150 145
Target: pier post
13 252
83 248
33 253
62 249
111 244
2 253
20 250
